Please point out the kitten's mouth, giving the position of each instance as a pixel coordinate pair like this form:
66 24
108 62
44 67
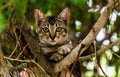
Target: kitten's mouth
53 42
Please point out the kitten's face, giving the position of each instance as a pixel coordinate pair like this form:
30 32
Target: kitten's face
52 30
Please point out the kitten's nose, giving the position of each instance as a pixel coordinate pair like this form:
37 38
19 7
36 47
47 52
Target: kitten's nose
52 36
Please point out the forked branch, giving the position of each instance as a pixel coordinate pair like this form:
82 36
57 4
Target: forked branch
84 44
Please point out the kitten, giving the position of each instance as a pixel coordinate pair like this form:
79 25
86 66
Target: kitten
53 34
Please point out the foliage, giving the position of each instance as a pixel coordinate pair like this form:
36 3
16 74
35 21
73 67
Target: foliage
2 22
20 7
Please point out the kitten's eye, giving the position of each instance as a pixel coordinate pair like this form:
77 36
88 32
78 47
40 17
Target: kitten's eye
45 29
59 29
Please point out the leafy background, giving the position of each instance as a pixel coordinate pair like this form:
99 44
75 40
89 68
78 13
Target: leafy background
84 13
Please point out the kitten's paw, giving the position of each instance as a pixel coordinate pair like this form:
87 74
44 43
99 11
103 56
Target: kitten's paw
56 57
64 50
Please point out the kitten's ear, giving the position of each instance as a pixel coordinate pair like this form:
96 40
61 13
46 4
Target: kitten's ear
39 16
65 15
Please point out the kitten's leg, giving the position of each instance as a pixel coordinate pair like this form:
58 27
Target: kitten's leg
56 57
65 49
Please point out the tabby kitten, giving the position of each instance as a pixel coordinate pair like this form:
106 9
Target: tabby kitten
53 35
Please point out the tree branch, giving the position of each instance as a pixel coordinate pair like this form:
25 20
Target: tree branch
101 22
27 61
6 5
117 42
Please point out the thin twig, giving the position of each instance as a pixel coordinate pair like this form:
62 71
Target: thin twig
96 59
22 51
98 64
117 42
102 70
14 49
40 68
115 54
27 61
6 5
17 44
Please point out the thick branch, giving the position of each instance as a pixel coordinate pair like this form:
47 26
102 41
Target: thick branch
87 41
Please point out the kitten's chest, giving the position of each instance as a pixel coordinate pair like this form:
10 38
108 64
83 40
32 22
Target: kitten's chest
46 50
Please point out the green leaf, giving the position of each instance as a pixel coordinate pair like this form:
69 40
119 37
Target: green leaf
112 26
20 7
83 2
75 1
79 2
2 22
32 1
